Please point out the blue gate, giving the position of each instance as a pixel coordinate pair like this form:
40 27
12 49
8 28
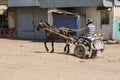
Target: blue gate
65 20
69 21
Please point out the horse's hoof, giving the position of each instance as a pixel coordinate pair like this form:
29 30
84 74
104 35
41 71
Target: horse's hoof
47 50
67 53
64 50
51 51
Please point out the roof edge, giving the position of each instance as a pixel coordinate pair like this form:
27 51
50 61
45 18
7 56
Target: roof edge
108 3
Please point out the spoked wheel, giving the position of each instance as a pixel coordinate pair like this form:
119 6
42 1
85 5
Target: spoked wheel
80 51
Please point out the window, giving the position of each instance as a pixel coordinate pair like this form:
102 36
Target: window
105 17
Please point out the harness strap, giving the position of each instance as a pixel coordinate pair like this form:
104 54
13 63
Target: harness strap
67 41
58 31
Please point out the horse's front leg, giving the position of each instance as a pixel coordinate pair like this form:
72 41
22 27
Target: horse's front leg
68 48
52 46
46 45
65 48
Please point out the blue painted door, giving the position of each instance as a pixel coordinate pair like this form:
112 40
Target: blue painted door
28 21
65 20
117 28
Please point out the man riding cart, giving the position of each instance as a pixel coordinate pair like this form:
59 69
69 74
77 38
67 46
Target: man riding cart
89 44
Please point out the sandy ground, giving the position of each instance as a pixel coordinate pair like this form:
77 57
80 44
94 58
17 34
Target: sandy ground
28 60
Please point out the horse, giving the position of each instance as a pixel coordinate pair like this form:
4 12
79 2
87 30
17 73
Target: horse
52 34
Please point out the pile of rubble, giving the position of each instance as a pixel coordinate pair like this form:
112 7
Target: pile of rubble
112 41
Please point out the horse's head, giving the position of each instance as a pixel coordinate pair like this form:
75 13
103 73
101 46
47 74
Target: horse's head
42 24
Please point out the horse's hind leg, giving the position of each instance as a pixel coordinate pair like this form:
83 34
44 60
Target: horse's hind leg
52 46
65 48
46 45
68 48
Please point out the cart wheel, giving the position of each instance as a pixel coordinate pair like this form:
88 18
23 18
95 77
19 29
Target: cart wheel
80 51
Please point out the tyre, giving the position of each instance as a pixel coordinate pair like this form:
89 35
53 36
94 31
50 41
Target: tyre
80 51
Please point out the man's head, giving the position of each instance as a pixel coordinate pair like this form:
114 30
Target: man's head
90 20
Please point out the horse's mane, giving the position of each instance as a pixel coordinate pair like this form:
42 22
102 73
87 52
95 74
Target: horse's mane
47 23
54 27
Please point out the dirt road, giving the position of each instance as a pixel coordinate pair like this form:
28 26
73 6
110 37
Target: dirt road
28 60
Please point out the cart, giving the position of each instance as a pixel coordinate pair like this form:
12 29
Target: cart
86 47
89 47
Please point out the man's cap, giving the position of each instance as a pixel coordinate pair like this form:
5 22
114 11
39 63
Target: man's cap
90 20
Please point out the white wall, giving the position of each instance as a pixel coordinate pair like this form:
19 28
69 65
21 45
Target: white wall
11 18
96 16
117 12
92 12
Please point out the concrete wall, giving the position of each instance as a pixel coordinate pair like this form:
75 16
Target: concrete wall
72 3
27 19
3 2
11 17
117 12
23 3
92 12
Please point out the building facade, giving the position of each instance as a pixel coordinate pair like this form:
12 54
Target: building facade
3 14
105 13
25 15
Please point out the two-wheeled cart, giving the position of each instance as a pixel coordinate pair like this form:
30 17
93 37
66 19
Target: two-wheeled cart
85 47
89 47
